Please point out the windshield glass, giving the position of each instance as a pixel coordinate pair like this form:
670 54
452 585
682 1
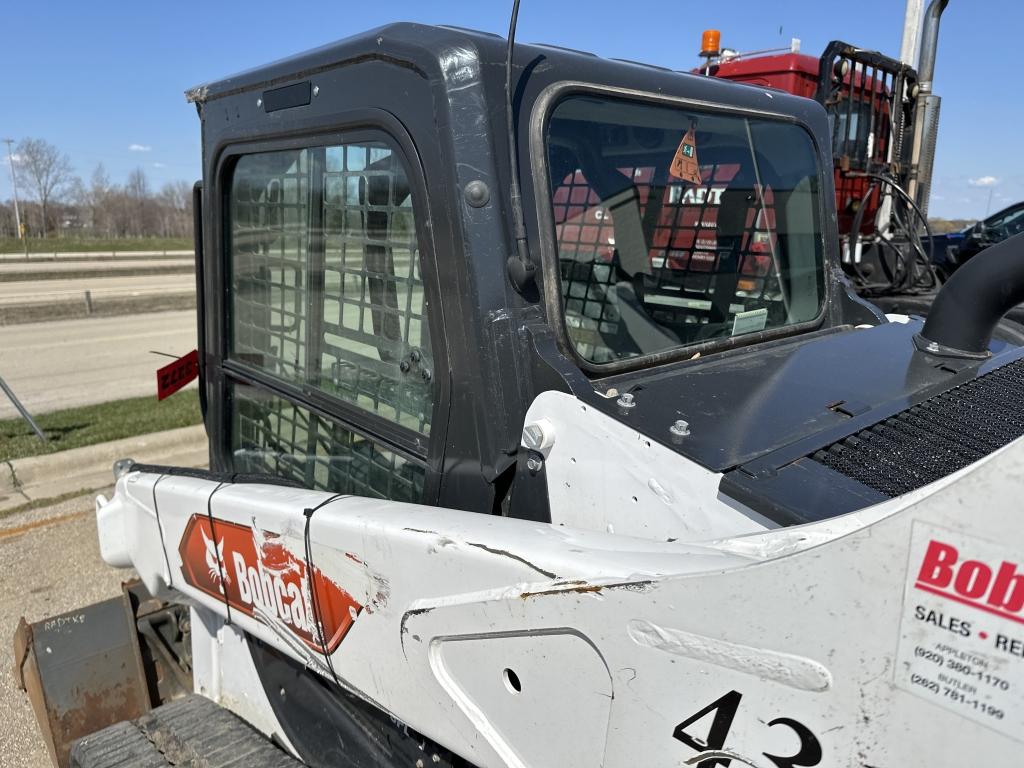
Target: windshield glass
677 226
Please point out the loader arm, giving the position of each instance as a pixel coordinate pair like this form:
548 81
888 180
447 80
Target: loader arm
889 636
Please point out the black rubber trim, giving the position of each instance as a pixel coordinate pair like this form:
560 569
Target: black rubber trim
804 491
215 477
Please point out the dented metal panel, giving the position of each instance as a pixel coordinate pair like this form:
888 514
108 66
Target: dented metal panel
810 643
604 475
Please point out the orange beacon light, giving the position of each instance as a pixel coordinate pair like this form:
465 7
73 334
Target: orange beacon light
710 42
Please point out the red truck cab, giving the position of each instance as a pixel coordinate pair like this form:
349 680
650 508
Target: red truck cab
858 88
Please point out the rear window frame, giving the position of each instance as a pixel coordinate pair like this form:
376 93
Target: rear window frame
540 118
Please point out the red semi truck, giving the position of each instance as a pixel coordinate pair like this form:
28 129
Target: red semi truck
884 120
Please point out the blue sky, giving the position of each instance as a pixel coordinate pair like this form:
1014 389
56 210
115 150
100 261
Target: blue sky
103 80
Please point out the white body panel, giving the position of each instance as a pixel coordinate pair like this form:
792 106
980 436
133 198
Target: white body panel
605 476
616 640
223 671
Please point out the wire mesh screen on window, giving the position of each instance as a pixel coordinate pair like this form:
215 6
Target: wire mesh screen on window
376 350
685 254
269 251
273 436
327 285
327 294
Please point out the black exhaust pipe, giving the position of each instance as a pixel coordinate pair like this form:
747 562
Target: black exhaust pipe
974 300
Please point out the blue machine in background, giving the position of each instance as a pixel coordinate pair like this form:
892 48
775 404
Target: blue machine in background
952 249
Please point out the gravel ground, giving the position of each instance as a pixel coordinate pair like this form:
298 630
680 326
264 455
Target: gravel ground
49 564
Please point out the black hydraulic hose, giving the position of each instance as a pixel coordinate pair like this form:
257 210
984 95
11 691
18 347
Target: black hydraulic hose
890 274
910 201
905 275
858 220
917 263
974 300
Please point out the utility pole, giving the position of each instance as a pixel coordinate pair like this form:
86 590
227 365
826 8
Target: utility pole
14 186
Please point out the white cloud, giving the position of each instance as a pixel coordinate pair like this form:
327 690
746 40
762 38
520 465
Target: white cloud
16 159
139 148
983 181
159 165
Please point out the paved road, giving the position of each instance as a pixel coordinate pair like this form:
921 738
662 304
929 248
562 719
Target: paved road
40 291
7 267
50 563
94 255
67 363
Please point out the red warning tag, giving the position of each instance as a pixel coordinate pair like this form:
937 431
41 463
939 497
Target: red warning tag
176 375
685 165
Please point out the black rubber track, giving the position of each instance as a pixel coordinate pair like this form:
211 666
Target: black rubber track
192 732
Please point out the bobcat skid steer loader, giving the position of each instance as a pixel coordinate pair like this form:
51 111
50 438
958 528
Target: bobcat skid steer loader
610 470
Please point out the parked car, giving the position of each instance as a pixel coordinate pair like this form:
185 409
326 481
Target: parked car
996 228
952 249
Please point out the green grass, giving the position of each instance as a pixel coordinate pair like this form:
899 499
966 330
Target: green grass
93 245
77 427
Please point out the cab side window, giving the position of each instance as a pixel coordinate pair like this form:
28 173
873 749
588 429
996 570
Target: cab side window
329 357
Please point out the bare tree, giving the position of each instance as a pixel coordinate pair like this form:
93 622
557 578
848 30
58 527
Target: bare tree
77 193
175 207
7 225
137 189
137 185
98 200
99 183
44 170
98 207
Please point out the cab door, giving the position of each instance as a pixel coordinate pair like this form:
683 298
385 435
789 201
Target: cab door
326 369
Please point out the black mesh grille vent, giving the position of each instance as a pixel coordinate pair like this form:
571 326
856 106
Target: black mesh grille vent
935 438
